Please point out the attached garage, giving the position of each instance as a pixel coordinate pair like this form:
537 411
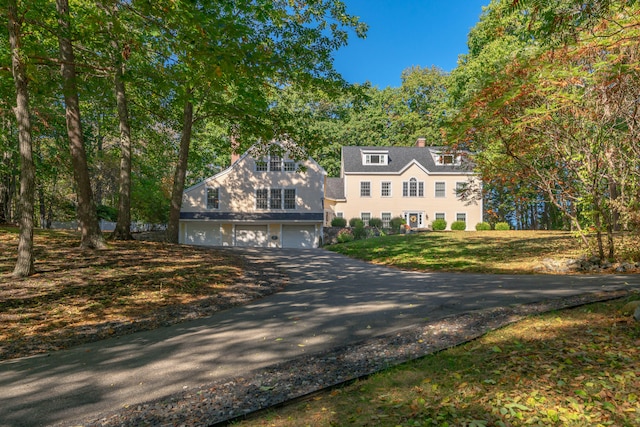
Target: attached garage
251 235
298 236
202 234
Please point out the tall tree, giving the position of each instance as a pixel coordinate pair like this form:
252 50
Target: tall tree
25 262
91 237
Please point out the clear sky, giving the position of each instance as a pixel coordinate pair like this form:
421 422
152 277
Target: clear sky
404 33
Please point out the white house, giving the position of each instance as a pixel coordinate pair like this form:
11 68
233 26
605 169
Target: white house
266 200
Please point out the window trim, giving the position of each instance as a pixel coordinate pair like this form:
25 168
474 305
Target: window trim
440 193
385 223
284 199
216 200
260 198
382 189
412 188
362 187
365 221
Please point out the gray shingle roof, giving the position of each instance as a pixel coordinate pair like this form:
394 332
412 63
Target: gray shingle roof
399 158
334 189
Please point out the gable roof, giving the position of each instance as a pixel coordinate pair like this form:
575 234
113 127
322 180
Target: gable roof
399 159
334 189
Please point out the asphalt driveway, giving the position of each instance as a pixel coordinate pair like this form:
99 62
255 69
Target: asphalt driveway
331 300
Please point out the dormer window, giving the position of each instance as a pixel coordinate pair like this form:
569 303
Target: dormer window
378 158
445 159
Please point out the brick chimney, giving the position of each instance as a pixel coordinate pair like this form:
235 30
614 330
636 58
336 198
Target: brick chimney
421 142
234 148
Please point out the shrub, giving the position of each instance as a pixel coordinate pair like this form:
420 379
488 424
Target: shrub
345 236
396 223
503 226
338 222
354 222
483 226
438 225
375 222
459 225
107 213
359 232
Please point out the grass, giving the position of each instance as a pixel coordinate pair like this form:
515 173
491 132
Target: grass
515 252
578 367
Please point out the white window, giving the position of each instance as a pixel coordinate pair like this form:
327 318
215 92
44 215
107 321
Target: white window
261 166
461 217
275 164
275 201
413 188
375 158
385 189
365 217
439 215
340 214
440 189
289 166
213 198
262 198
365 189
386 219
289 198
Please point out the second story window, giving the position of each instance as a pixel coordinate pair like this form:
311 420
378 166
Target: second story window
365 189
213 198
275 164
440 189
262 198
385 189
413 188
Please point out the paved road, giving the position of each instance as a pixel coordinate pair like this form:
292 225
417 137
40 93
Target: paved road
332 300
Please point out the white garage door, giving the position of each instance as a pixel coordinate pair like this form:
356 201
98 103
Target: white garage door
202 234
298 236
251 235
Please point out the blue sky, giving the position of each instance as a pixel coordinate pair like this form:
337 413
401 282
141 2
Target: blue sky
404 33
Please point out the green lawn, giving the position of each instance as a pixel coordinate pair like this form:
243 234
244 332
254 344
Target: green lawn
476 251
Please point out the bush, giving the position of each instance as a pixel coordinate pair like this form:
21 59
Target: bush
345 236
438 225
396 223
359 232
107 213
503 226
354 222
375 222
338 222
458 225
483 226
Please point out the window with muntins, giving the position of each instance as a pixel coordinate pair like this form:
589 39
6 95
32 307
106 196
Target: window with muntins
440 189
386 219
275 164
365 217
262 198
439 215
365 189
275 201
461 217
213 198
289 166
385 189
375 159
413 188
261 166
289 198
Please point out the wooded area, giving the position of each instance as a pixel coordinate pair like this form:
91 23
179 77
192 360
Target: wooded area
114 107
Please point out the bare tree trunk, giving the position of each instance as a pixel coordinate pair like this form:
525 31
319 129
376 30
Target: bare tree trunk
123 224
87 215
180 174
24 264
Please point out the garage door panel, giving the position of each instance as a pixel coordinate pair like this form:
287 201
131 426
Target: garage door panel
298 236
202 234
252 235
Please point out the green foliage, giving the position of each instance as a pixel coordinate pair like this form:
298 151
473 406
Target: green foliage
107 213
483 226
396 224
338 222
345 235
502 226
375 222
356 222
359 232
439 225
458 225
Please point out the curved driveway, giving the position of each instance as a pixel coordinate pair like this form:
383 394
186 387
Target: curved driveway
331 300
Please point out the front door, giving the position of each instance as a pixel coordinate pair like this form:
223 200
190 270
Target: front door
413 220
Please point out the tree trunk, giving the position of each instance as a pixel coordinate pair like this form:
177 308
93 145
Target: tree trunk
24 264
87 214
180 174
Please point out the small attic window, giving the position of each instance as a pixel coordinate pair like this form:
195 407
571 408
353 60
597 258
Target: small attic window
375 158
447 159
